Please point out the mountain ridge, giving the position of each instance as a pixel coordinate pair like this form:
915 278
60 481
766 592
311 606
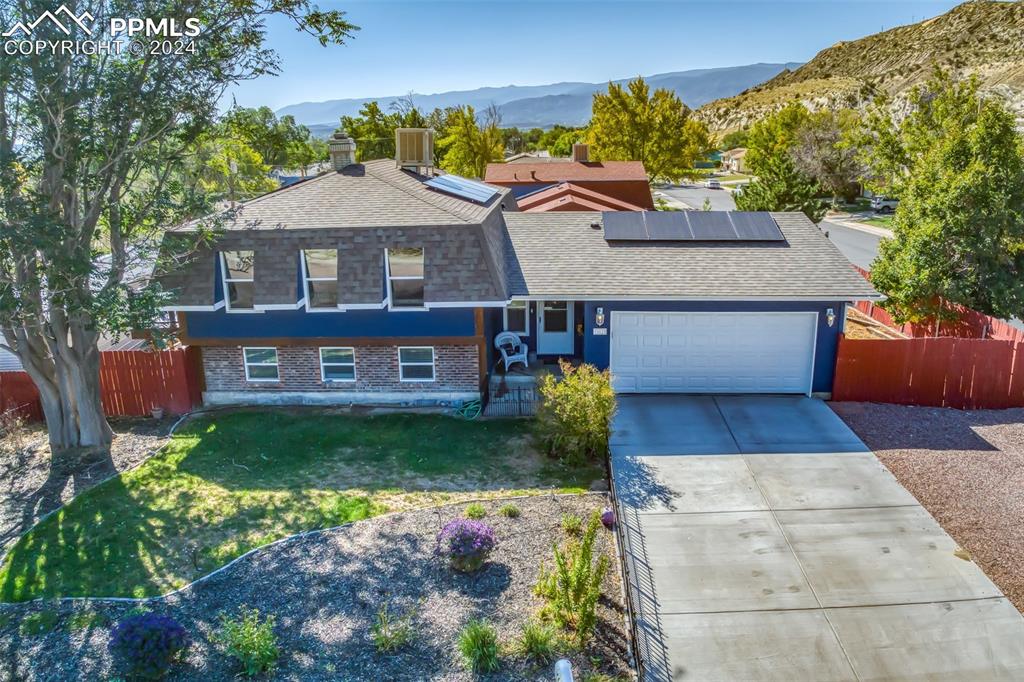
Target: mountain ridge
528 106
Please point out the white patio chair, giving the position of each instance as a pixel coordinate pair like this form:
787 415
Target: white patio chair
512 349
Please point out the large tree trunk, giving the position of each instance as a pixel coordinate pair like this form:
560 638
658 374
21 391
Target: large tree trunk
65 366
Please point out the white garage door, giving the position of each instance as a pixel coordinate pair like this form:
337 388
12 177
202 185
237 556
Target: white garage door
654 352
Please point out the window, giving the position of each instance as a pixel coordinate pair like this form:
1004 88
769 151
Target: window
338 364
239 287
416 364
405 277
320 268
517 318
260 364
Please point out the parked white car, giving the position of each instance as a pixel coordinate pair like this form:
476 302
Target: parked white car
712 183
884 204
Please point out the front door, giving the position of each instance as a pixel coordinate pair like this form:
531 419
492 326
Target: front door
555 328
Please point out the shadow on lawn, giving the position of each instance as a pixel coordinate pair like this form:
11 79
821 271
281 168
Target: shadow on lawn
62 555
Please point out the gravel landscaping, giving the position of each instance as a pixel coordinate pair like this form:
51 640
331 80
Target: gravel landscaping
966 468
29 487
325 589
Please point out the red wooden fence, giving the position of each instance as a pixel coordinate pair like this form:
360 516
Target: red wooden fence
970 324
942 372
132 383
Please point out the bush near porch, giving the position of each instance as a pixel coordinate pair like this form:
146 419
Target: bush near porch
232 481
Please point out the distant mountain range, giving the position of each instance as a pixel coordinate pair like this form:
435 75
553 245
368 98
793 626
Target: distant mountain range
981 39
542 106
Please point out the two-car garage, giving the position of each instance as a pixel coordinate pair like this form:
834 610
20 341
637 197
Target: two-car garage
712 352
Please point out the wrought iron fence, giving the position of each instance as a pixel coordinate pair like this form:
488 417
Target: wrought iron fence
511 401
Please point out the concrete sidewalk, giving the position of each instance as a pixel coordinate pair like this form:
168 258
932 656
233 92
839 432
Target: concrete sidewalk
772 546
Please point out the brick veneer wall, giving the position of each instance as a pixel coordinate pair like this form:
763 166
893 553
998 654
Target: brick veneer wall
456 368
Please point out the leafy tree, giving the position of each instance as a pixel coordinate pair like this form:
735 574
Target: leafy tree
958 233
229 169
737 138
562 146
92 150
469 145
774 135
374 132
780 186
631 124
825 149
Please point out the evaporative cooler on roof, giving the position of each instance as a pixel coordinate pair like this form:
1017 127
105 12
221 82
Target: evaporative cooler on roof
691 226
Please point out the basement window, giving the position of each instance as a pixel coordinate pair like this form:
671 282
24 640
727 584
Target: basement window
405 277
260 364
337 364
239 284
320 271
416 363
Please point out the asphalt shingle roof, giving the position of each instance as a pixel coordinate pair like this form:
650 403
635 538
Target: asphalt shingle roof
561 256
362 195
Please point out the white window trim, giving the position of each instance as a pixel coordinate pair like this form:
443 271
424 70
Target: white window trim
389 299
226 280
323 374
306 279
432 364
526 318
276 364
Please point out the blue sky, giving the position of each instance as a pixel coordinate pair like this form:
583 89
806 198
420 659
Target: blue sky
430 47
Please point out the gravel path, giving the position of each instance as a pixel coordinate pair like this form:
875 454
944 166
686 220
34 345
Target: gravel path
30 487
966 468
325 589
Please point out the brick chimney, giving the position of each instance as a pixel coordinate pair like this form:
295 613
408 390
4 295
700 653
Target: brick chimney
343 150
581 152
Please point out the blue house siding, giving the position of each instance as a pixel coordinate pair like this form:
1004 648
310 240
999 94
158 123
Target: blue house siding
596 348
299 324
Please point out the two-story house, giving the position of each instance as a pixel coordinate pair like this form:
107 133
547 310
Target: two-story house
387 283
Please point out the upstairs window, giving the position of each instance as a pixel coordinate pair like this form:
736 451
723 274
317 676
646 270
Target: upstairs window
516 318
405 277
320 268
239 287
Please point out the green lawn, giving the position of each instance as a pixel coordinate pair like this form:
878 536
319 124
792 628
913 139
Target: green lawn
880 221
233 481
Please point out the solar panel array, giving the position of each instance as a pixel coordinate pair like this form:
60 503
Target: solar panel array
462 188
691 226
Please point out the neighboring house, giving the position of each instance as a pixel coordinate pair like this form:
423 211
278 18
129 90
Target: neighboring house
378 284
734 160
9 362
543 155
568 196
623 180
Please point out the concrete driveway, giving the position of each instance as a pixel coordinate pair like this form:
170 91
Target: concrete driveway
763 541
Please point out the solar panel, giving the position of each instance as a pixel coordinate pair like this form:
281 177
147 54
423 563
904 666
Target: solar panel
711 226
624 225
755 226
462 187
691 226
667 225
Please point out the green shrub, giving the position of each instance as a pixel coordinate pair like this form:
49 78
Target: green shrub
575 412
475 511
38 623
478 644
390 632
572 524
537 641
573 586
249 639
510 511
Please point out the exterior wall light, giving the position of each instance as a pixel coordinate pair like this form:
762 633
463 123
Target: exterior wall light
599 318
830 317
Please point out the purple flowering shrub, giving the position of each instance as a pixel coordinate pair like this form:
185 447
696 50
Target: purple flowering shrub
148 644
466 543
